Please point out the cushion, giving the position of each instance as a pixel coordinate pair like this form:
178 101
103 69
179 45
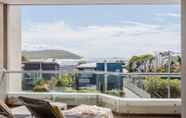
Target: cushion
5 110
88 111
57 111
2 116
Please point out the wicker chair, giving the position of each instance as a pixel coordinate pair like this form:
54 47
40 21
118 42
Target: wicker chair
5 112
41 108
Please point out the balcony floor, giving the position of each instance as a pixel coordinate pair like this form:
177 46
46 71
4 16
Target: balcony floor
22 112
145 116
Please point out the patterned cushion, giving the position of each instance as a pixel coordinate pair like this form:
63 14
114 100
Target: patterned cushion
2 116
88 111
57 111
5 110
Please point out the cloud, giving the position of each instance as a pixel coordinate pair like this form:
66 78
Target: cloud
169 14
124 40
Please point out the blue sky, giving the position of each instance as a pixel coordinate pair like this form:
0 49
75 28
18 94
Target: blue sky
102 31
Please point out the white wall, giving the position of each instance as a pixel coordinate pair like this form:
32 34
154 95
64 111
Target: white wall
183 43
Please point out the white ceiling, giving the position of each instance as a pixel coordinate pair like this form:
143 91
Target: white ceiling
87 2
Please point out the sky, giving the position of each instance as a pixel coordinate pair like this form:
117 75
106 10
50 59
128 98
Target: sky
102 31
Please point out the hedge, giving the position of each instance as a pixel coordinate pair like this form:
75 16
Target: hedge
158 87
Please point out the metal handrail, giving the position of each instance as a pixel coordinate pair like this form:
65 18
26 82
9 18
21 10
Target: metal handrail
99 72
127 75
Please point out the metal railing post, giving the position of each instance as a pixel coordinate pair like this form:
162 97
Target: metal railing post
169 71
105 77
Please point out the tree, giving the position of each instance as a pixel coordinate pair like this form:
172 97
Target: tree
147 61
141 63
132 61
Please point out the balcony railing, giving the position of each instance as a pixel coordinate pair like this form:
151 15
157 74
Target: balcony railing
129 85
137 88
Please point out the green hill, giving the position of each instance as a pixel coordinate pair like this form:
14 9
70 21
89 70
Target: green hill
45 54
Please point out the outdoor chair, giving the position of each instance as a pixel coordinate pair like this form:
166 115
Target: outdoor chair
43 109
5 112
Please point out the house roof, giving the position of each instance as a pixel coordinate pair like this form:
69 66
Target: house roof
87 65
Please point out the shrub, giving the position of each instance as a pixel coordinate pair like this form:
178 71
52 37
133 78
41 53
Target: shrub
88 90
158 87
40 82
65 80
175 88
41 88
119 93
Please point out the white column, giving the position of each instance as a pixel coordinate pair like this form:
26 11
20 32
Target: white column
183 41
14 46
3 82
10 47
1 35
